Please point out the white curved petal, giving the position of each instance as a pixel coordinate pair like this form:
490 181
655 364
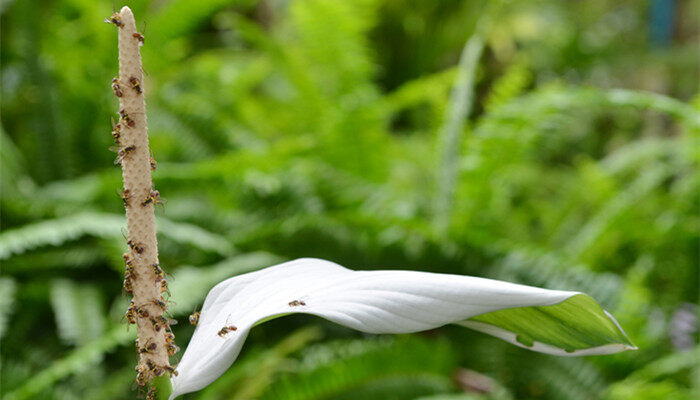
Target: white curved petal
368 301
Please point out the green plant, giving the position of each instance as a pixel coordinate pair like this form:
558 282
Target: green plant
263 161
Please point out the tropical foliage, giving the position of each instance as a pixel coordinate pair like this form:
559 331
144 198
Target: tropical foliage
317 128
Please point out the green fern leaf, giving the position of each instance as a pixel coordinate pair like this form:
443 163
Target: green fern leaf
188 286
78 311
509 86
339 369
58 231
8 287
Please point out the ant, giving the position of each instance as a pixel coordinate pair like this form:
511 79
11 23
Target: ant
296 303
116 88
153 163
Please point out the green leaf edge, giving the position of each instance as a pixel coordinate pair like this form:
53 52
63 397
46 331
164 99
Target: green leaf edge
577 323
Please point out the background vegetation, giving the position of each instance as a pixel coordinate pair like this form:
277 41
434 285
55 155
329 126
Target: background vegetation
320 128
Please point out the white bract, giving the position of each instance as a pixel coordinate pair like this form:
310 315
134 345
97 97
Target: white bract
549 321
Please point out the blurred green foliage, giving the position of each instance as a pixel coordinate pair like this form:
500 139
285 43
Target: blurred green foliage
312 128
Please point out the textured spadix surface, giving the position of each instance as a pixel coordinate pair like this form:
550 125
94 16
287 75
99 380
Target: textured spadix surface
548 321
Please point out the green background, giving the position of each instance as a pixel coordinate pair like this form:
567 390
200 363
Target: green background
318 128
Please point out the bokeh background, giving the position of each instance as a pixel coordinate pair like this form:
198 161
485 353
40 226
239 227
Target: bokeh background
565 157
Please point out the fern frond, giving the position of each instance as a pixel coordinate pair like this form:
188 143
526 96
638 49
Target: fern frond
192 119
680 111
454 396
342 368
188 146
195 236
8 286
11 162
61 230
640 153
637 190
547 106
78 311
58 231
651 381
570 378
80 191
261 370
668 365
545 268
431 89
188 287
541 376
332 36
400 387
508 86
73 257
78 360
181 17
113 387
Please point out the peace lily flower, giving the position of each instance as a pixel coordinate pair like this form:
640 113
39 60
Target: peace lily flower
548 321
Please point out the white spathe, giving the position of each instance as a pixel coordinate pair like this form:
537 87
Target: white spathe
368 301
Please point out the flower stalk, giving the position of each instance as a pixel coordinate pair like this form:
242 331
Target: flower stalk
144 277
